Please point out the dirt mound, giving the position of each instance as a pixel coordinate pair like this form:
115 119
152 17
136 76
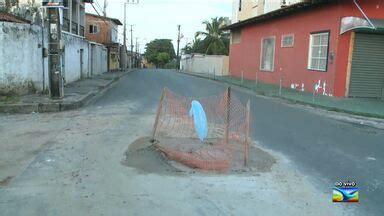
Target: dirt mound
147 157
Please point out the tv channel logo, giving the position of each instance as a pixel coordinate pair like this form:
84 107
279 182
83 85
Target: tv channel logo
345 194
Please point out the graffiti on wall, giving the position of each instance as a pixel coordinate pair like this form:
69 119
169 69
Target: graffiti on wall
319 87
299 87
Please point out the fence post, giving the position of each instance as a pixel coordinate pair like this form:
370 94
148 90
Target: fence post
227 111
247 138
158 114
242 77
256 80
281 81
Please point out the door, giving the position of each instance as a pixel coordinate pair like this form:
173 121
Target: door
367 69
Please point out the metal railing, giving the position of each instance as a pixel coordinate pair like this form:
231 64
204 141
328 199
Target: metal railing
66 24
82 31
74 28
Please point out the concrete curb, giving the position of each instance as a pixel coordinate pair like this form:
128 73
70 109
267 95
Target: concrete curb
372 120
25 108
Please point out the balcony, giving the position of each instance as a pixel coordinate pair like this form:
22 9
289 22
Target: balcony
65 24
74 28
82 31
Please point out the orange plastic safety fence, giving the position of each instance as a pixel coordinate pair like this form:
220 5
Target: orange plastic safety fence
226 144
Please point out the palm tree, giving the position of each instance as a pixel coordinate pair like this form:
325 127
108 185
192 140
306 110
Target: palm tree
196 46
215 39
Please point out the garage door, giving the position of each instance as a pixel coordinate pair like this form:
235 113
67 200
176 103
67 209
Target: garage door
367 71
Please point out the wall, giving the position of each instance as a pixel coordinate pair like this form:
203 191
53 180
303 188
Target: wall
21 62
75 47
98 59
252 8
73 68
23 68
114 57
291 63
209 64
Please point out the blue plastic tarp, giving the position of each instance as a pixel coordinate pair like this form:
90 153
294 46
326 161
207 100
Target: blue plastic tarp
199 119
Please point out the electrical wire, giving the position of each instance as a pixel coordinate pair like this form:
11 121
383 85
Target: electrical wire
102 17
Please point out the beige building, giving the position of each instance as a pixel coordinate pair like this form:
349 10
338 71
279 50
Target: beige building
245 9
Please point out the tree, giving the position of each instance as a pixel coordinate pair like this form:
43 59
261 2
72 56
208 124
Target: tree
196 46
159 52
215 39
163 58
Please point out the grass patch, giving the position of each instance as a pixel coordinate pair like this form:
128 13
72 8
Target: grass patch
358 106
8 99
108 78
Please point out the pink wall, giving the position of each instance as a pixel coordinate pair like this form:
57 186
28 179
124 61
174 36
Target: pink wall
291 63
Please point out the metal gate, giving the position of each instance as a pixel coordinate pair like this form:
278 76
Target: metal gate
367 69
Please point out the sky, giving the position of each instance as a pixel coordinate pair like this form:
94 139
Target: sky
155 19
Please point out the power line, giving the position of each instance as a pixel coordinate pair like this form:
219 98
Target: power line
98 5
102 18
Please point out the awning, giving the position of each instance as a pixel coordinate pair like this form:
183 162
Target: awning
361 25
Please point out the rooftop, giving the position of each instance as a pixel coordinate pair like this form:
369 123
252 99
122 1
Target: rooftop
7 17
116 21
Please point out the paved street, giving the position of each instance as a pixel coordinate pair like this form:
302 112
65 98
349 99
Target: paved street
69 163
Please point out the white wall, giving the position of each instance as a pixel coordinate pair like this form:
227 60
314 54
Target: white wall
98 59
271 5
74 47
22 64
73 69
208 64
21 61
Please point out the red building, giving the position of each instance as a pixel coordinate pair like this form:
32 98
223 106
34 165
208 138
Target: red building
304 46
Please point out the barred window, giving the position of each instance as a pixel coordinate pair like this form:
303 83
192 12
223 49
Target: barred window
267 54
287 40
318 51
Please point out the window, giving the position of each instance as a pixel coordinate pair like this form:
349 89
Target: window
287 40
93 29
267 54
235 37
318 51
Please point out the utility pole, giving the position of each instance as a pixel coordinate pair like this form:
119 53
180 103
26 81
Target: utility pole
105 8
178 46
137 56
125 36
54 54
125 31
131 46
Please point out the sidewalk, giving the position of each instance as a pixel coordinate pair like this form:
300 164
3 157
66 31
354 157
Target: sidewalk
356 106
76 95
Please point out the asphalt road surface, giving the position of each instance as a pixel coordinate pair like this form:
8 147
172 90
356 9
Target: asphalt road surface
324 149
69 163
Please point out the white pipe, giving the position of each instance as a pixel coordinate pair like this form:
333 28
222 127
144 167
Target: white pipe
361 10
